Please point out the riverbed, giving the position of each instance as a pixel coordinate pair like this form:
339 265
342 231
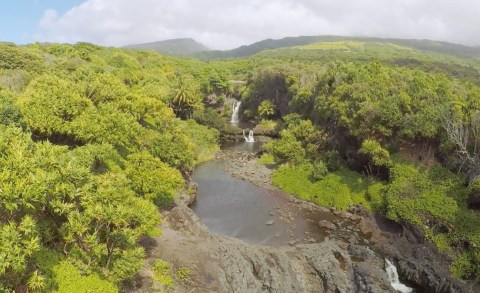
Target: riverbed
244 235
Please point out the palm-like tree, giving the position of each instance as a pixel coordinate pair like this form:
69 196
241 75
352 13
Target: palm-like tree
185 98
266 109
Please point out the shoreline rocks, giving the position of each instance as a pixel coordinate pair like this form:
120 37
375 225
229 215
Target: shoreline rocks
220 263
417 260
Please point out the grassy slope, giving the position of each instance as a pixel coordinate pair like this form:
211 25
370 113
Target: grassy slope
180 47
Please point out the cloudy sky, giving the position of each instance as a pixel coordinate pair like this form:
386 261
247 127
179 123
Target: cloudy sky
224 24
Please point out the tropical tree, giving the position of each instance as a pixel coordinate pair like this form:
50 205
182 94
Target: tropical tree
266 109
185 97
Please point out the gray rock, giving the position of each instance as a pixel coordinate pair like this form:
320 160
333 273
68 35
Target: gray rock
224 264
327 224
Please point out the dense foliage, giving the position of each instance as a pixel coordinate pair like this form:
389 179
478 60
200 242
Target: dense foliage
407 130
90 136
90 148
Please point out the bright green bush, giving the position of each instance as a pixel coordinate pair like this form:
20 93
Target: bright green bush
51 106
413 197
205 140
339 189
287 149
62 276
14 57
183 274
266 159
153 179
376 196
465 266
172 147
320 170
379 156
161 273
9 111
68 278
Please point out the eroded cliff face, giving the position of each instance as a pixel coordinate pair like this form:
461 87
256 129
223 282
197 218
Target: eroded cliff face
224 264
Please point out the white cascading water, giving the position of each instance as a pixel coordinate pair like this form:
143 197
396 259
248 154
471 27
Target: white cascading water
394 280
249 138
236 107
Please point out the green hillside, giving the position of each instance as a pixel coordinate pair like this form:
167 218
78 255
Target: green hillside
422 45
178 47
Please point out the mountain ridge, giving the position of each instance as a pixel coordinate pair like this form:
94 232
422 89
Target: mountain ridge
193 48
179 46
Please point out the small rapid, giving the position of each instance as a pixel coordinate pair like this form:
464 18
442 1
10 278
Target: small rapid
250 137
394 278
235 109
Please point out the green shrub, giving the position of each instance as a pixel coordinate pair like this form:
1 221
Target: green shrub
379 156
413 197
376 196
62 276
204 140
340 189
465 266
161 273
9 111
183 274
333 160
153 179
266 159
68 278
320 170
287 149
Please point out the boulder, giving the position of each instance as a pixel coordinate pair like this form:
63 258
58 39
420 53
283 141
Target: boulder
327 225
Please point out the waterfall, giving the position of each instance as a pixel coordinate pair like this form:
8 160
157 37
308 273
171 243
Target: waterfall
394 280
249 138
236 107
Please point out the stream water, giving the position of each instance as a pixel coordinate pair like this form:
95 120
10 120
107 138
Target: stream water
240 209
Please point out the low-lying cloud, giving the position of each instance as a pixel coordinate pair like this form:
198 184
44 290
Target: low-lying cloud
222 24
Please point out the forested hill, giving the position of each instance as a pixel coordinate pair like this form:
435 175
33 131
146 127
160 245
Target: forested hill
178 47
269 44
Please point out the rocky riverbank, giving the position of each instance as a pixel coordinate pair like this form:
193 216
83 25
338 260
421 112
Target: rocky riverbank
223 264
418 261
351 258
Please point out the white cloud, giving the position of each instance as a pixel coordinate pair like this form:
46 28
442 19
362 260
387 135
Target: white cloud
222 24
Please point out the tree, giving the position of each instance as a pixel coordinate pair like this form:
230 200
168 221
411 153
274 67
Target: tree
185 97
18 242
266 109
104 228
379 156
9 111
51 105
287 149
466 139
153 179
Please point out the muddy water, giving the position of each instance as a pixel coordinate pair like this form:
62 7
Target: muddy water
240 209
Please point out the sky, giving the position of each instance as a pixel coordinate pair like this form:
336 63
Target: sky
226 24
